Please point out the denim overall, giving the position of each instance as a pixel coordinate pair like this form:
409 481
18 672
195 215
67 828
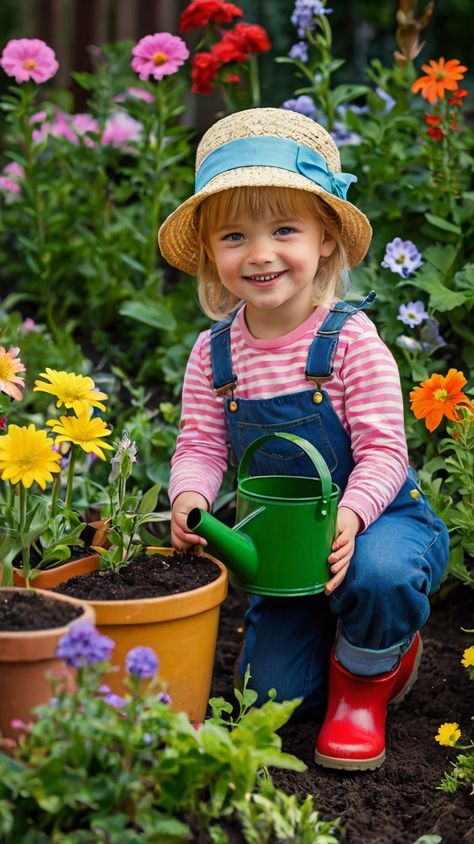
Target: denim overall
398 560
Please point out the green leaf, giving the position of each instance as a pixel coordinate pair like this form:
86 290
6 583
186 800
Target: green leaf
148 502
443 224
441 257
150 313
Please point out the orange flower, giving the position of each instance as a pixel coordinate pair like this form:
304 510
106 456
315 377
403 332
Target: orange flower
440 77
439 396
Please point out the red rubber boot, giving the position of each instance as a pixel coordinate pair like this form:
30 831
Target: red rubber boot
352 736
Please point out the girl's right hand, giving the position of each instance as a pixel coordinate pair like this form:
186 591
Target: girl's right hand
181 537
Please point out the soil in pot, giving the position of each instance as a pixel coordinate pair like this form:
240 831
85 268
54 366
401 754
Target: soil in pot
24 610
400 801
147 576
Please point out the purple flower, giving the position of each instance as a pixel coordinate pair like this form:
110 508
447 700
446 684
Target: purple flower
408 343
412 313
299 51
115 701
164 697
303 105
402 257
388 101
142 662
83 645
12 175
304 14
343 137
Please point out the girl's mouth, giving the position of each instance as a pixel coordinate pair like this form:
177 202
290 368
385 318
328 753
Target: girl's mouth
263 278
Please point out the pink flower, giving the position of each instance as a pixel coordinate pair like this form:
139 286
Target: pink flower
158 55
10 365
29 58
135 93
38 117
14 174
29 324
82 124
121 129
59 127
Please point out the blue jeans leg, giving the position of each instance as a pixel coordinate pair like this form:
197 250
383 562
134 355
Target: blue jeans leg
287 645
384 599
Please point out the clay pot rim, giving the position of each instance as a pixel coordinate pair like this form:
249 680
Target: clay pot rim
52 633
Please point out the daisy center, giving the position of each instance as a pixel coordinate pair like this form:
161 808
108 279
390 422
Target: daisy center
6 370
440 394
400 259
159 58
29 64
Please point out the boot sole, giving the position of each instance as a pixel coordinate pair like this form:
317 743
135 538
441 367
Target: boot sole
396 701
340 763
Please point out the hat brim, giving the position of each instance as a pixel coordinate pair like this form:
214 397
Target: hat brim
178 238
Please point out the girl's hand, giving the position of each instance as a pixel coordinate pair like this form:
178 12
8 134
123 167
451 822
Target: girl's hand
347 527
181 538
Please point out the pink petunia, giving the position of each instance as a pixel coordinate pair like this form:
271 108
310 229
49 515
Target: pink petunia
158 55
13 174
83 124
29 58
120 130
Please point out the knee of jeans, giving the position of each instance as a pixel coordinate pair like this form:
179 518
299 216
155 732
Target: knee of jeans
376 577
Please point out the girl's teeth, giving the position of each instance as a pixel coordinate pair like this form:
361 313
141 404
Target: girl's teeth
263 277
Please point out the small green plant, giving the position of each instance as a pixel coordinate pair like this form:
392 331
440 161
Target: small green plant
462 773
126 514
96 766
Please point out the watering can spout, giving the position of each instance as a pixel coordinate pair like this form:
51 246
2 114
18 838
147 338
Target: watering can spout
236 550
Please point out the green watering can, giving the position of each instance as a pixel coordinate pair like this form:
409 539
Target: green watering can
286 526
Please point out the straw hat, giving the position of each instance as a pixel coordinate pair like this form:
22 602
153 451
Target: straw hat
265 147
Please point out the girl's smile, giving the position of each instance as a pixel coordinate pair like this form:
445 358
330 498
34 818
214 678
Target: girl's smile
271 263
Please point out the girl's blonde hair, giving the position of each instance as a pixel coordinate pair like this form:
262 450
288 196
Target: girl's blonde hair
254 202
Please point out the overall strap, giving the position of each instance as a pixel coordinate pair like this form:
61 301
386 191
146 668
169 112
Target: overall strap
224 377
324 345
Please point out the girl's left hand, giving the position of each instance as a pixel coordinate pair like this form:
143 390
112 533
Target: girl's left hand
347 527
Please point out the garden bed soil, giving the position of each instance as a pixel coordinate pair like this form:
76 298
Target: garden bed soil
399 802
22 610
147 576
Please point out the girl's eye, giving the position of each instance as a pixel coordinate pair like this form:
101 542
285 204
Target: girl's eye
234 236
284 230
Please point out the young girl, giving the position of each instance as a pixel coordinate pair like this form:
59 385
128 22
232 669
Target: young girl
270 235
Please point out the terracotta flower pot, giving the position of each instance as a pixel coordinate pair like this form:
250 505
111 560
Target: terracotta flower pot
25 659
181 629
49 578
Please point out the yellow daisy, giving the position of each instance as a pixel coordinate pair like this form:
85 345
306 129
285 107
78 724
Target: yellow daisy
73 391
468 657
448 734
84 430
27 455
10 365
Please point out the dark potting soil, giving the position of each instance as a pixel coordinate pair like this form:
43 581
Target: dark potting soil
22 610
77 553
147 576
399 802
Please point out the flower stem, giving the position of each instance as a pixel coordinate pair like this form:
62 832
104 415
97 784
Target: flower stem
25 551
254 82
70 479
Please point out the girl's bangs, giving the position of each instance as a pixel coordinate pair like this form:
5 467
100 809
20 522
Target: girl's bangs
254 203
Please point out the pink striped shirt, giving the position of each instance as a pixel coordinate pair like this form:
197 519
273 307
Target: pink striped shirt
365 393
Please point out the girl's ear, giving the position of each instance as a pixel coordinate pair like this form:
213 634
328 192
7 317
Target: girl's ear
328 245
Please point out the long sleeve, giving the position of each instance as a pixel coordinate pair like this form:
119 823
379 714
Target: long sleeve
200 459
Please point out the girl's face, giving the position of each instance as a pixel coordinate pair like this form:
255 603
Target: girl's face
270 263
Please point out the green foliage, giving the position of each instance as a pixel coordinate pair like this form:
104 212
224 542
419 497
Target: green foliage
86 770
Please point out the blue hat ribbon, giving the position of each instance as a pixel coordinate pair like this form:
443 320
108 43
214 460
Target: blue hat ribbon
269 151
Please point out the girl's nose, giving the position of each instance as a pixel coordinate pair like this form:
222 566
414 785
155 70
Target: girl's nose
261 252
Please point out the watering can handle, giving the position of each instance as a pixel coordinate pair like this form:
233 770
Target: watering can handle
314 455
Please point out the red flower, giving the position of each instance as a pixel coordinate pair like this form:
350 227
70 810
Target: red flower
241 42
232 79
204 70
456 99
201 12
454 127
436 134
432 119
